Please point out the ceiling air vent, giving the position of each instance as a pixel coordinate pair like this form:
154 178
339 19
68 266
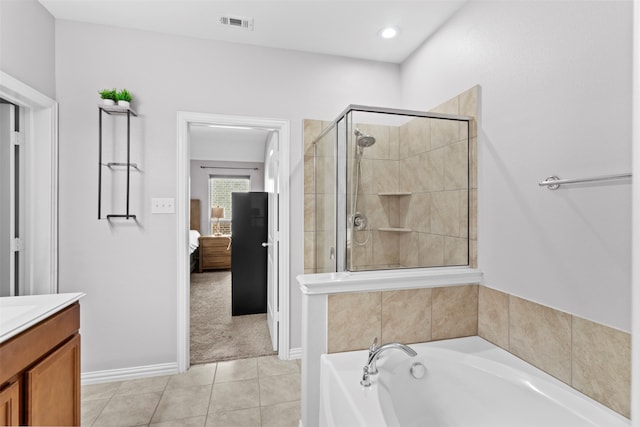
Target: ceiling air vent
234 21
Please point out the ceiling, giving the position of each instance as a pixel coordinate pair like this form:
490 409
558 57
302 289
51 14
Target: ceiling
229 144
346 28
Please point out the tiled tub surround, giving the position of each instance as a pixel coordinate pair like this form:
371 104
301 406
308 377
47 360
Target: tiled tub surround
592 358
432 159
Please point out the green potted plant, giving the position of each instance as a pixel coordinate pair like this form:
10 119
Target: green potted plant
108 96
124 98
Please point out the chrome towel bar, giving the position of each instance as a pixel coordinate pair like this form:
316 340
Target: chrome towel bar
553 182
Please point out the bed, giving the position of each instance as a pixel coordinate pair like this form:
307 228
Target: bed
194 234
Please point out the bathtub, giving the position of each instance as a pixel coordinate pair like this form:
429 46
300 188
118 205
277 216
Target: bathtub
468 383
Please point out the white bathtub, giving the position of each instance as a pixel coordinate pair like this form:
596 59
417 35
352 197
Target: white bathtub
468 383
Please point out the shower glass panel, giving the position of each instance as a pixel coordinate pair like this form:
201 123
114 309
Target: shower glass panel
325 180
398 182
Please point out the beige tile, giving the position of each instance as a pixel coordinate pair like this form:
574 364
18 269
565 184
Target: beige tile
408 174
473 214
418 136
281 415
90 409
196 375
444 132
379 150
375 208
100 391
309 250
384 175
326 212
601 364
419 212
185 422
456 251
469 105
473 160
394 143
463 209
385 247
143 385
353 321
409 251
448 107
312 128
182 403
431 171
309 212
279 389
456 166
473 253
235 395
541 336
406 316
445 213
361 255
493 316
431 250
309 179
454 312
131 410
272 365
237 370
249 417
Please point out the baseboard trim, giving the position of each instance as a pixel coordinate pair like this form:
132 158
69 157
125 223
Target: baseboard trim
123 374
295 353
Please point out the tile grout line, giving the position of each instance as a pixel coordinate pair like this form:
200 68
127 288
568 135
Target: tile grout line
213 382
159 400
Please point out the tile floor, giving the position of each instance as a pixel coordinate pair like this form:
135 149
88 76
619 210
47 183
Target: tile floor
261 391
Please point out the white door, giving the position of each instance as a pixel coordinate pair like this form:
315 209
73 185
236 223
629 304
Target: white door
9 158
273 243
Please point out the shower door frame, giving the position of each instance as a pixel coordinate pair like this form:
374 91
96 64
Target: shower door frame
341 150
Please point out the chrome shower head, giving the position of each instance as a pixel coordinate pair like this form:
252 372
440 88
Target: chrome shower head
364 140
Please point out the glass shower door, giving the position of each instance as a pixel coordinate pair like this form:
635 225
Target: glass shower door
325 181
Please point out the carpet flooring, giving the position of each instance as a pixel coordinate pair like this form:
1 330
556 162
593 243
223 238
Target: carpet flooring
215 334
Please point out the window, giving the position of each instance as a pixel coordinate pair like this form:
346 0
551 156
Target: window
220 189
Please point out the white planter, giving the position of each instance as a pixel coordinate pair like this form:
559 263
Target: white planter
123 104
108 102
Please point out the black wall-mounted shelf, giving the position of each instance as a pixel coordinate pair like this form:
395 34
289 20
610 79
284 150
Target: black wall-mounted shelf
119 111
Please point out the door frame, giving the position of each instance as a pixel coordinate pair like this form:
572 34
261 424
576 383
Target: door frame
185 119
39 134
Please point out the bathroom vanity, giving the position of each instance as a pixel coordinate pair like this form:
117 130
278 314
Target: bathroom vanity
40 360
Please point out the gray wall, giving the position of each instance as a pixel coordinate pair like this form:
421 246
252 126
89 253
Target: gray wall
129 270
200 182
556 91
27 44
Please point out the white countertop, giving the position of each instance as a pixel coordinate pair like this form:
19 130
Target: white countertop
18 314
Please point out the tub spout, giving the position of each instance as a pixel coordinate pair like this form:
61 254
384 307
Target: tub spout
374 353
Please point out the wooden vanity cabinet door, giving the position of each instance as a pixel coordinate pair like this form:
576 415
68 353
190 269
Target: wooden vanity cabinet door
53 388
10 405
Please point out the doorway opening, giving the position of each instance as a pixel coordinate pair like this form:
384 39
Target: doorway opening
276 161
32 142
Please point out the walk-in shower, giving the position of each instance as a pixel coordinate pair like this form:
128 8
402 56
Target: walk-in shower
391 189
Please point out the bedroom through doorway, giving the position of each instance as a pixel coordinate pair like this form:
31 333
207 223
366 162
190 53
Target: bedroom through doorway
216 171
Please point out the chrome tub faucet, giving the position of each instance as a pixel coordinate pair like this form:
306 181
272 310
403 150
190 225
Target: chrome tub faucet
374 353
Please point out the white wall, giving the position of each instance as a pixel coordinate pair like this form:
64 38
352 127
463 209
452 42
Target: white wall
199 183
556 100
129 271
27 47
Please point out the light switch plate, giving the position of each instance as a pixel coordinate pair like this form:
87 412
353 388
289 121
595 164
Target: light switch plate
163 205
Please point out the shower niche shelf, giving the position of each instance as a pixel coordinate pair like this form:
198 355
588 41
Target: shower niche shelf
111 166
395 193
396 229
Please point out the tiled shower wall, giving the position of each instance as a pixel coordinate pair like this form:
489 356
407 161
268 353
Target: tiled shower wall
590 357
428 158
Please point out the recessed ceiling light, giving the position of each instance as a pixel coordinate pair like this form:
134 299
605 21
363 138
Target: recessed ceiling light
388 32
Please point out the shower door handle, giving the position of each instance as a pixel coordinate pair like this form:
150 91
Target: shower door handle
266 244
332 254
